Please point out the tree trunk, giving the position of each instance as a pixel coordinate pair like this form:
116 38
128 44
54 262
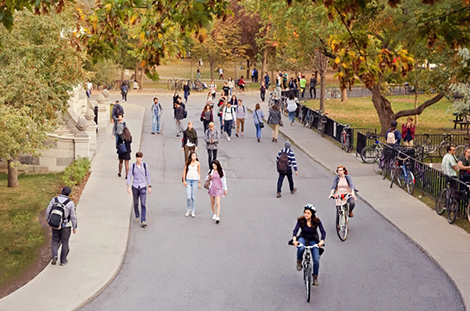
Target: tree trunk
191 61
12 173
265 59
344 94
322 90
136 71
383 108
141 79
211 64
248 76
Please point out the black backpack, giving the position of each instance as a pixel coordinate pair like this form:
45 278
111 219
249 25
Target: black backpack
283 163
57 215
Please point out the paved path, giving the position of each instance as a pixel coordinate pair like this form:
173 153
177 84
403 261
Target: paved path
94 262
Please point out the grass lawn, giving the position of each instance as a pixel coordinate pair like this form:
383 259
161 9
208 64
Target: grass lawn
20 231
360 113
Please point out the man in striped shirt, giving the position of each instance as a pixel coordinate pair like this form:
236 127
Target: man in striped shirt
285 162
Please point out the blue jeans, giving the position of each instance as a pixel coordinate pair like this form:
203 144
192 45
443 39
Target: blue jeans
258 131
156 123
315 254
292 116
228 127
186 93
191 193
221 125
142 194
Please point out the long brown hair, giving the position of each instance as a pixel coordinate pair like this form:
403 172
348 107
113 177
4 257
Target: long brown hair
189 160
303 221
219 168
126 134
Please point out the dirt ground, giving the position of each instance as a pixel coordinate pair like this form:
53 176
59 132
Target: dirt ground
44 253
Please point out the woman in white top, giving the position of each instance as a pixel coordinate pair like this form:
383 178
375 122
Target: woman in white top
231 85
291 108
191 180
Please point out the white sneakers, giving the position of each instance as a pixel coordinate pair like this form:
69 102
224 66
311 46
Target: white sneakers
228 138
193 215
217 220
188 212
214 217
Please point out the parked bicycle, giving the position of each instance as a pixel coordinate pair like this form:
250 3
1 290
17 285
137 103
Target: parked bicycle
371 154
346 138
386 162
309 119
332 93
321 123
402 173
440 149
307 265
342 215
460 149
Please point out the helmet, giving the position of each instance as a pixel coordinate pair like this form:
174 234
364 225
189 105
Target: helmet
310 207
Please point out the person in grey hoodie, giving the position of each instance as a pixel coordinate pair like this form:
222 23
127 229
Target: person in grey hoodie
118 128
274 120
69 224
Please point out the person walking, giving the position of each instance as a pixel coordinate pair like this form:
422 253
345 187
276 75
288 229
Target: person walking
191 181
117 110
211 138
138 183
189 141
222 104
179 115
241 116
231 85
408 132
262 91
67 226
213 89
156 111
226 90
206 116
308 224
291 108
313 86
228 119
186 91
126 139
285 161
217 188
221 74
284 80
258 116
274 120
342 184
118 128
267 80
124 91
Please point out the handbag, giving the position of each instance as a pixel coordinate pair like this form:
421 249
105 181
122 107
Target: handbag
280 123
207 184
261 124
121 149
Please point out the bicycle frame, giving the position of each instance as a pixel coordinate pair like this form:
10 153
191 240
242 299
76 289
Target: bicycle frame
307 265
342 215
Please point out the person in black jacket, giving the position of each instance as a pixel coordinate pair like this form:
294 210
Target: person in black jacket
186 90
189 141
125 138
179 115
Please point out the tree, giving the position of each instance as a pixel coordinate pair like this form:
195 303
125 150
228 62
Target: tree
220 44
156 23
8 9
37 70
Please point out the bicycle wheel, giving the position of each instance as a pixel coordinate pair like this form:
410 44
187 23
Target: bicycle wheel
386 169
459 151
441 202
452 210
336 94
328 94
427 160
442 149
410 182
369 154
308 280
343 141
347 144
399 176
468 211
377 168
341 224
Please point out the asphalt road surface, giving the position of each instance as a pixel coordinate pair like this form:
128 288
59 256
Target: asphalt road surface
244 263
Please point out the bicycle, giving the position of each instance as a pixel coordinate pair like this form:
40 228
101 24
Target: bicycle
309 118
370 154
307 265
441 149
459 150
321 124
332 94
446 201
402 173
342 215
346 138
386 163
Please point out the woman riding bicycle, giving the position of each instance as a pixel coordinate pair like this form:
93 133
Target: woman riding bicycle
342 184
308 224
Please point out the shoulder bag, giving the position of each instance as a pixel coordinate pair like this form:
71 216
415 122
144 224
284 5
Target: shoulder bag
261 124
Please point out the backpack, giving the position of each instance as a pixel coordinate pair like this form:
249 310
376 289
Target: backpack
391 138
57 215
283 163
145 169
118 110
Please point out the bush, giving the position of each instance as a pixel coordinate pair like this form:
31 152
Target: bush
76 171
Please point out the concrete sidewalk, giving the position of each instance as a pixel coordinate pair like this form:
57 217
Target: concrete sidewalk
447 245
98 248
